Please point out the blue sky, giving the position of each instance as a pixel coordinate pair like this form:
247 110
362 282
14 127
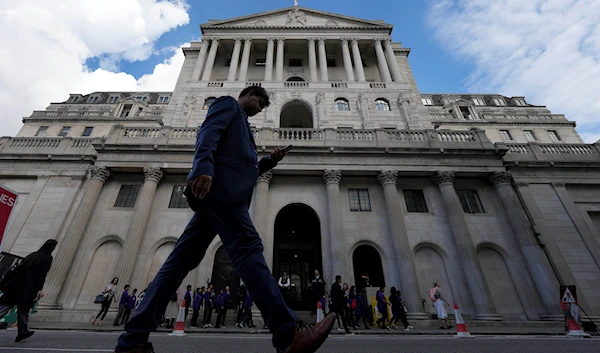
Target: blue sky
434 69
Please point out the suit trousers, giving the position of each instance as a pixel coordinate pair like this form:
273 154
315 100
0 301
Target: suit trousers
22 317
243 244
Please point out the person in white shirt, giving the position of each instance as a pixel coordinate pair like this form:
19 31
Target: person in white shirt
284 285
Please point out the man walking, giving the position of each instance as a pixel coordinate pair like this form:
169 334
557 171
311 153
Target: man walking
227 302
225 170
122 305
339 301
188 300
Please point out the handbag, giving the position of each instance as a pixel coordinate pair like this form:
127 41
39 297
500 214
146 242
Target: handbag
99 299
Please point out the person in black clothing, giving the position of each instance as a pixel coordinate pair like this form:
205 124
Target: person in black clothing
352 307
338 301
398 310
240 297
318 290
23 286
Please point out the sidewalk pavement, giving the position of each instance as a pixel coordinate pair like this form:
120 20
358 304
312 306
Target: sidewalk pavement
494 331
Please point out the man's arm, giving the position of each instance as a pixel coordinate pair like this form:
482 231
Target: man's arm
270 162
218 118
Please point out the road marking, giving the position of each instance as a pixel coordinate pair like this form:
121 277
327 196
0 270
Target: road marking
43 349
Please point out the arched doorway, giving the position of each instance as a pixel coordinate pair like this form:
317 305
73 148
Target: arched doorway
297 251
101 271
296 114
367 259
224 273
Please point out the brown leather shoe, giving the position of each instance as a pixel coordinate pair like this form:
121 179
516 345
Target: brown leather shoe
142 348
308 338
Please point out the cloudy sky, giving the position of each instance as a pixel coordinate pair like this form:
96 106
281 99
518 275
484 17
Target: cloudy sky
546 50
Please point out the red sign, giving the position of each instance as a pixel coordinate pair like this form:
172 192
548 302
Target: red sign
8 200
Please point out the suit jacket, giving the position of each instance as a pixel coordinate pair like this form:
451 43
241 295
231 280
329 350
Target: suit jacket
338 299
225 150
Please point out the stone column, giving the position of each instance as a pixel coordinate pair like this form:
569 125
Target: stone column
404 255
279 65
135 234
383 65
312 60
210 63
391 57
323 60
337 257
269 60
245 60
347 60
479 291
72 238
537 262
235 60
261 199
201 59
360 71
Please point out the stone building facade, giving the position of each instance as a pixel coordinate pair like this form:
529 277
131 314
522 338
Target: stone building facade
495 198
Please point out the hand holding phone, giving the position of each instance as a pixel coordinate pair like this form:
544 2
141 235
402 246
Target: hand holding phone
288 148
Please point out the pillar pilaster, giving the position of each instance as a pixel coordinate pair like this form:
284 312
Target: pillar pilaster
391 58
279 65
210 62
269 59
245 60
360 71
337 264
235 59
323 61
197 74
312 60
383 65
347 60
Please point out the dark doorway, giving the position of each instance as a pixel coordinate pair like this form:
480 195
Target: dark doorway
296 114
224 273
366 259
297 251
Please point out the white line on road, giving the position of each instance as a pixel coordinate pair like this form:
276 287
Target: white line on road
44 349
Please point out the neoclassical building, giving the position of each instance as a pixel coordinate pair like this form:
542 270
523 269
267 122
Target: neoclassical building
495 198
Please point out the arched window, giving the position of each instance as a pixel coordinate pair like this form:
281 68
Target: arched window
295 79
382 105
208 101
342 105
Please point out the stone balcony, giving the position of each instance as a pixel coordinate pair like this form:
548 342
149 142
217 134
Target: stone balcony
301 85
267 138
502 118
550 153
47 146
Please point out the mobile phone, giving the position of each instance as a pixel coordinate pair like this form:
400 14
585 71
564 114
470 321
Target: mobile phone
288 148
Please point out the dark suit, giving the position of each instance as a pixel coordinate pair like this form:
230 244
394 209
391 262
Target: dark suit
225 150
338 303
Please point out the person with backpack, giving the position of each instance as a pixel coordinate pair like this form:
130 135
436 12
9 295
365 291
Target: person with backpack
23 286
438 299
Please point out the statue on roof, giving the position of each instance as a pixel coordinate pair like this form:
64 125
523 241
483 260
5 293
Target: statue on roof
296 16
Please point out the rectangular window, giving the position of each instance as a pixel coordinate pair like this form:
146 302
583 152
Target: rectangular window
113 99
295 62
554 136
64 131
127 195
126 110
87 131
93 99
506 136
331 63
178 200
499 102
141 98
427 101
359 200
529 135
73 99
470 201
163 100
261 62
478 101
415 201
41 131
520 102
466 113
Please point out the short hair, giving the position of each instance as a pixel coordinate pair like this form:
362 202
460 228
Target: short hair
127 286
189 286
202 287
135 289
259 91
338 277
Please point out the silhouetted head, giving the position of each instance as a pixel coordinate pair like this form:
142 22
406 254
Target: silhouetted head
253 100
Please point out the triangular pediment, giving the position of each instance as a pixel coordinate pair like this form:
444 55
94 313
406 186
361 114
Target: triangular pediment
296 17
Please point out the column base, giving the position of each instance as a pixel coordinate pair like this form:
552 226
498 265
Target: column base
417 316
489 317
49 306
552 318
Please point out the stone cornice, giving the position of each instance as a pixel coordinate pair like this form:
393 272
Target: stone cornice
300 29
505 122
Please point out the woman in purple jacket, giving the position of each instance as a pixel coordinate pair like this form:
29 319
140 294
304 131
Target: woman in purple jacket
197 303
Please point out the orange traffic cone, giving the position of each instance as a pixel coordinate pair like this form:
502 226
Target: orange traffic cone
179 329
461 328
574 328
320 314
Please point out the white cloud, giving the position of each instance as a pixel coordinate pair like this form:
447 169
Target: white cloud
45 45
546 50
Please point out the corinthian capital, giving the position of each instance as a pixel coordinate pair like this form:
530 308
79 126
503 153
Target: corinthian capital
500 178
443 178
265 177
332 176
100 173
154 174
388 177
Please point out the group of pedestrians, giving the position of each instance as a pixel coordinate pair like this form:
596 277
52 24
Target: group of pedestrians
128 301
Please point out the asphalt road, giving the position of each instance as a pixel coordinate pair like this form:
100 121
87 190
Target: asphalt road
97 342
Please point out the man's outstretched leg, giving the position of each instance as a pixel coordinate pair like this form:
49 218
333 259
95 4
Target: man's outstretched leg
186 256
245 249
